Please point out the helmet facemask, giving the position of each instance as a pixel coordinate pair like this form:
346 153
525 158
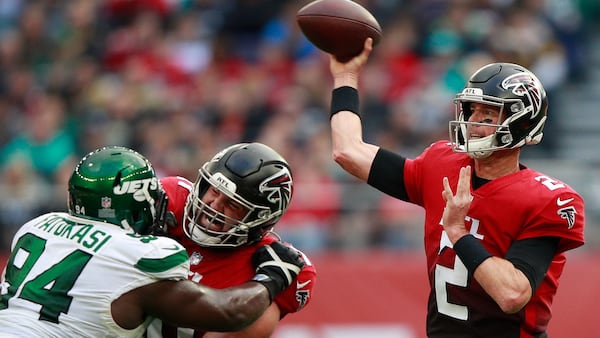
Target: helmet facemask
484 146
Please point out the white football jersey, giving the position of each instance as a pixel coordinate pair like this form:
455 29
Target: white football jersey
64 272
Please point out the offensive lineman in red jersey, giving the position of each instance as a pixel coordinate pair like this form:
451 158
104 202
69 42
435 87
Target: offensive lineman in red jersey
223 218
495 246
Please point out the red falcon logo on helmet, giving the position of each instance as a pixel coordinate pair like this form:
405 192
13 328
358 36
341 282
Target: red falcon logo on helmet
278 188
525 84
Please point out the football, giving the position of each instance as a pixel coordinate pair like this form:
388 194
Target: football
338 27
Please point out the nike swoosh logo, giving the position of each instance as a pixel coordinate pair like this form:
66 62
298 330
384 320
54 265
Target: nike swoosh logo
174 247
560 202
301 285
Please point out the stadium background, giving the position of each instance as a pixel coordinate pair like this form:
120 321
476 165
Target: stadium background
179 79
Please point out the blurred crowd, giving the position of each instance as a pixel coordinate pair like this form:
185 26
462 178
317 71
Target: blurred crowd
178 80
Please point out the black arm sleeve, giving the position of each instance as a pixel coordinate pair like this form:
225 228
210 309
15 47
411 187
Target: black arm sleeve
387 174
533 257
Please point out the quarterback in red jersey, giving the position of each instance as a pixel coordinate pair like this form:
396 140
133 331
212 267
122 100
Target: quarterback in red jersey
223 218
496 231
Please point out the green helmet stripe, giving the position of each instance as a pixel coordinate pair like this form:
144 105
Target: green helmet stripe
153 265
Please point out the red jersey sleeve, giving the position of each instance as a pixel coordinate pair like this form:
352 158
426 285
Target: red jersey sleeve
427 171
177 189
299 294
560 213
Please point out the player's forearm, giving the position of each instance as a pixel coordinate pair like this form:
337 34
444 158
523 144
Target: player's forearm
263 327
507 285
345 79
349 150
191 305
237 334
239 306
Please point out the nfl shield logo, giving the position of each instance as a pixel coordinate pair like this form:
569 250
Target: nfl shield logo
195 258
105 202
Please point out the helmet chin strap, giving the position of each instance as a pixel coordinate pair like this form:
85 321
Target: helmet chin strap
200 236
535 136
125 225
479 154
472 146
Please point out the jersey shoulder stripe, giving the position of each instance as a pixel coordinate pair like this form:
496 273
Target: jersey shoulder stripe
153 265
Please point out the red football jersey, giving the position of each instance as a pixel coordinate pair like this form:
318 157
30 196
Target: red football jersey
521 205
221 268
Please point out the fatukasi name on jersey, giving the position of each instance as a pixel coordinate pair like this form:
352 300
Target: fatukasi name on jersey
64 272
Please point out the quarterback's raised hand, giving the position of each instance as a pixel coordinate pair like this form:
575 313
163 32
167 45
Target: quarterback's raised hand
277 265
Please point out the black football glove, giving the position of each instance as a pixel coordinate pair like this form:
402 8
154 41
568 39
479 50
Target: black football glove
277 265
163 218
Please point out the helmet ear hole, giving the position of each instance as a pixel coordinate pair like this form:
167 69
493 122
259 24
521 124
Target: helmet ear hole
525 125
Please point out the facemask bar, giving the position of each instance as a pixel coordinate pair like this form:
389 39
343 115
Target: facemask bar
235 234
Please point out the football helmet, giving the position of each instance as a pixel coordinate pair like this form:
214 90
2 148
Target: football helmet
253 175
523 109
115 185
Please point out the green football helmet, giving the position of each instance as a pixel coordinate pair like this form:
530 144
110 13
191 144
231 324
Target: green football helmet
116 185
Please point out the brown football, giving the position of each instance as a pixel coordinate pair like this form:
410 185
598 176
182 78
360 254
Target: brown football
338 27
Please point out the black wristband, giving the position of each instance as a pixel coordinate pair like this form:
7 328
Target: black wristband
344 99
272 286
471 252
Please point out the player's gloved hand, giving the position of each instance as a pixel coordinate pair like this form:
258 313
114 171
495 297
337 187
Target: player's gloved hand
277 265
163 218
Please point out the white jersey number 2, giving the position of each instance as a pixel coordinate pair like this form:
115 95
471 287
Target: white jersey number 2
458 276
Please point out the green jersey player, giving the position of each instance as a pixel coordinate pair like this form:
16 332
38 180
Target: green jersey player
96 272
